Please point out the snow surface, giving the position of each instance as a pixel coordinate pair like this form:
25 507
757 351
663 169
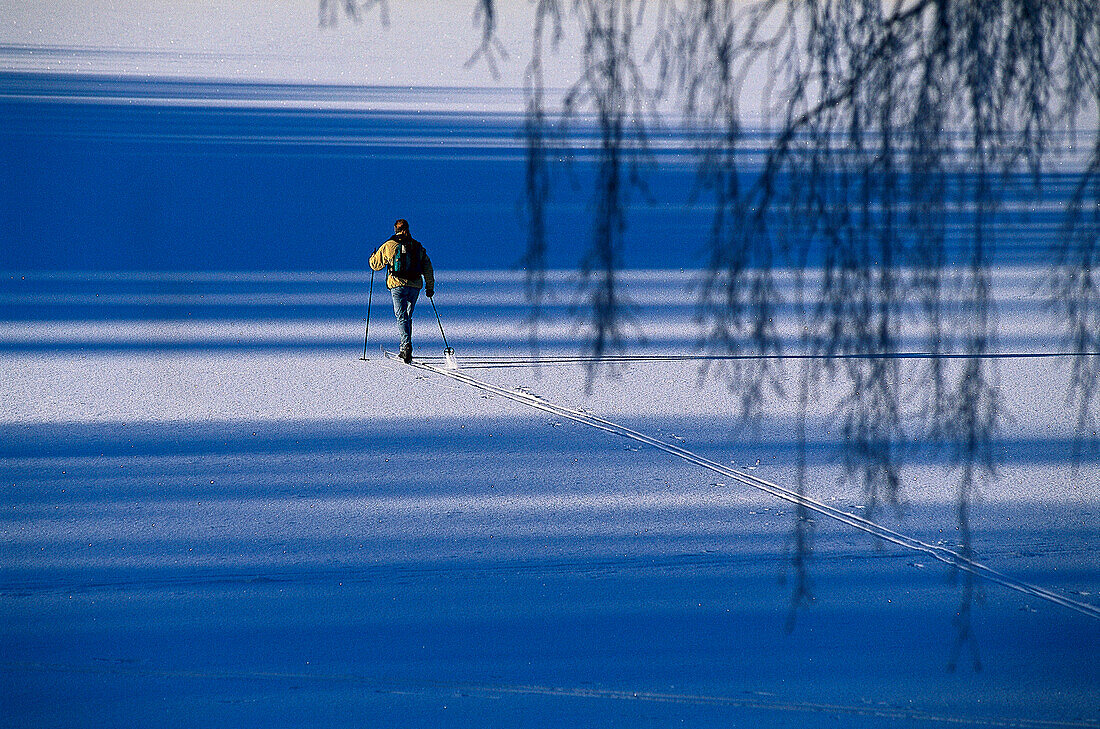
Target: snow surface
233 521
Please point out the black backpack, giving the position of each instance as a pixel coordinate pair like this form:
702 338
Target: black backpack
408 258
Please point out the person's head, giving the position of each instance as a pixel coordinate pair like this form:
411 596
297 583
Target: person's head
401 226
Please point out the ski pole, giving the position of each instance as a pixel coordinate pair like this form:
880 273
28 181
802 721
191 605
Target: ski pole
446 347
366 333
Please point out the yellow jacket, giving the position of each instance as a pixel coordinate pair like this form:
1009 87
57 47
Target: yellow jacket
383 257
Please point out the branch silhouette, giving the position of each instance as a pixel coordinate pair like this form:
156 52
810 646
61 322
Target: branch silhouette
890 134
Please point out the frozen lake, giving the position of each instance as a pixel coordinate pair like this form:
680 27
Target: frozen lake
215 514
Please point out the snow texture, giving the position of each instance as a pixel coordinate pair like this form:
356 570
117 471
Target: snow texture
231 520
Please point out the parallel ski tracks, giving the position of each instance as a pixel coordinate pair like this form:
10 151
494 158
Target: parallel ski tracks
506 362
749 700
938 552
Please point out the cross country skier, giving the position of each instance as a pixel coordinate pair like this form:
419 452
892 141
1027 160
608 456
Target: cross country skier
410 268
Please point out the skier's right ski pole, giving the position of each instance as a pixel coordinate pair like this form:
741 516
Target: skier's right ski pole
448 352
366 333
446 347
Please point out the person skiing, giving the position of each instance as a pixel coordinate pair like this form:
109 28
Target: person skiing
410 268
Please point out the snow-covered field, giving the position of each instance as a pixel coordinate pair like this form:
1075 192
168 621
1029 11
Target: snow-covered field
215 514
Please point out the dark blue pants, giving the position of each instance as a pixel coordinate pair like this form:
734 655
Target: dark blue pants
404 300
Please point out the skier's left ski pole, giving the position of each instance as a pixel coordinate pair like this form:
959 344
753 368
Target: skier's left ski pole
366 333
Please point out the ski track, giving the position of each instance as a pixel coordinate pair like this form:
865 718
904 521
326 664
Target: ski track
495 691
36 586
937 552
487 362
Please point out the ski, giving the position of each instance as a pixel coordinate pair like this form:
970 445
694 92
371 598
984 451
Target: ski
449 361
